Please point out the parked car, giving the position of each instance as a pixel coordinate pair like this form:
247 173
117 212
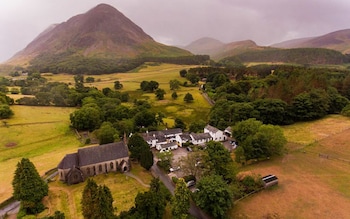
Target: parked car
190 183
172 169
189 149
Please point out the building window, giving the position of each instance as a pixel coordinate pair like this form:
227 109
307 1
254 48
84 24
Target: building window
111 165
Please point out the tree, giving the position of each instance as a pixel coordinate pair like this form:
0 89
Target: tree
118 85
220 161
174 95
311 105
104 201
90 80
88 198
146 159
183 73
213 196
79 82
160 94
179 124
197 126
97 201
188 98
193 164
86 118
193 78
5 111
151 204
137 145
145 118
271 111
174 84
180 200
346 111
28 187
106 133
258 140
57 215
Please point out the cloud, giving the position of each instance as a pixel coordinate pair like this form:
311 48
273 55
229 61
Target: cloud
180 22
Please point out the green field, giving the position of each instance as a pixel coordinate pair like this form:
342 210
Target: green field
124 189
163 73
41 134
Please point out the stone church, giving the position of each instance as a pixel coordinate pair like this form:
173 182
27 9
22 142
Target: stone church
91 161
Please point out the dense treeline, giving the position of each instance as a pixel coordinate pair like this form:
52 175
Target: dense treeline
277 94
296 56
67 62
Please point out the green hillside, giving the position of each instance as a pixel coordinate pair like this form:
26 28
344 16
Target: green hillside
317 56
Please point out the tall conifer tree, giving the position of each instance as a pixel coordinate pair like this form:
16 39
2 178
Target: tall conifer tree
29 187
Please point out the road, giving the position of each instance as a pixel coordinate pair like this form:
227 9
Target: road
11 208
194 210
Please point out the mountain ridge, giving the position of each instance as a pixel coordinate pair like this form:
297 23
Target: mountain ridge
102 32
337 40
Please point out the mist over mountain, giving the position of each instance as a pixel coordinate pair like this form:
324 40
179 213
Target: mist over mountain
338 40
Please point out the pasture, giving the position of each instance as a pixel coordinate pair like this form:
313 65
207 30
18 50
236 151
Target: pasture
124 189
311 184
41 134
162 73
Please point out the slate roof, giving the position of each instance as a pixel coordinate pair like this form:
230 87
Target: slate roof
168 145
228 129
200 136
69 161
185 137
212 128
102 153
172 131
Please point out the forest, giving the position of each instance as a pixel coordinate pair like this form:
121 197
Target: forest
273 94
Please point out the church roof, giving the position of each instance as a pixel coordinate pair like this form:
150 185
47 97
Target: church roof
68 161
102 153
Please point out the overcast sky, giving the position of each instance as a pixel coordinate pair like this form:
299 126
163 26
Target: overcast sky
180 22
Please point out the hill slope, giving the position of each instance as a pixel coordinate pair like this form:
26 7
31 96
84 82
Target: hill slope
314 56
338 40
218 50
102 32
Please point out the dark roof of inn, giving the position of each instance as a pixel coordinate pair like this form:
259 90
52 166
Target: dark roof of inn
102 153
68 161
172 131
200 136
212 128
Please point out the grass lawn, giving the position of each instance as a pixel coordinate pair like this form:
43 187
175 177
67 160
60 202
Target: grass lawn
41 134
123 188
310 186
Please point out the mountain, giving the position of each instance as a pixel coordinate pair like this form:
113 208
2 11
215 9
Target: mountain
338 40
218 50
102 32
205 45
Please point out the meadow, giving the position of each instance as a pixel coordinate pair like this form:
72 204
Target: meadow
41 134
313 174
162 73
124 189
